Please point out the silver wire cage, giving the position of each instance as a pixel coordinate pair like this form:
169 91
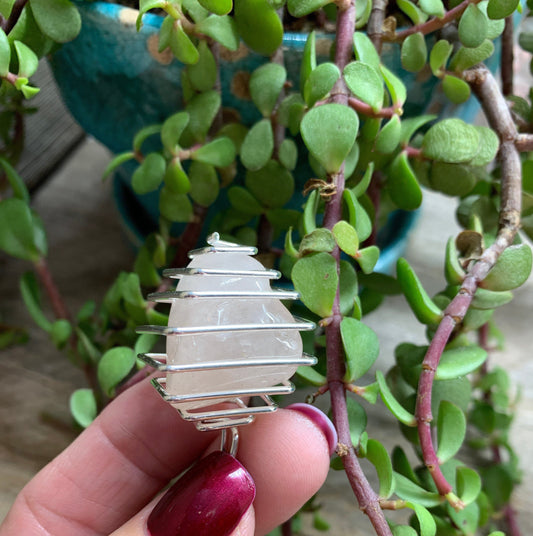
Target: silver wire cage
237 412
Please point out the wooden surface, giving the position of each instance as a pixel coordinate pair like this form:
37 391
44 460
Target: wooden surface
88 248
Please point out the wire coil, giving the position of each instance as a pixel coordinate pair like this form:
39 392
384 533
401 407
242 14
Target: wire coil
224 409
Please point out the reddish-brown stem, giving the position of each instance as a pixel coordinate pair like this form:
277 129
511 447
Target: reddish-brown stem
50 287
366 109
190 236
9 23
375 23
433 24
493 103
507 57
524 142
286 528
366 496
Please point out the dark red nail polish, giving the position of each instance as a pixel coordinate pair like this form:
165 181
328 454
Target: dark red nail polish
209 499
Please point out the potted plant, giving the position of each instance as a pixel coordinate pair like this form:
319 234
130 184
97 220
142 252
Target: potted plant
343 120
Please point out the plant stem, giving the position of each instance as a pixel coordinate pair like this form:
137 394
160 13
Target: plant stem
286 528
507 58
375 23
524 142
190 235
366 496
493 103
366 109
9 23
50 287
432 24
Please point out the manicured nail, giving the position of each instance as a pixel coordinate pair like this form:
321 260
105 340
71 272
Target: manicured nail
210 498
321 420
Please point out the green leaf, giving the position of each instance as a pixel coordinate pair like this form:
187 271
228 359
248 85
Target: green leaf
409 491
412 11
365 83
315 278
204 183
460 361
143 134
203 73
5 53
310 211
21 233
145 269
414 52
28 91
511 270
495 27
290 249
317 241
259 25
452 179
15 181
175 207
456 89
175 178
421 304
468 484
172 130
266 84
222 29
288 154
299 8
395 86
258 145
488 299
83 407
465 58
29 289
403 530
394 406
357 420
401 464
346 237
28 60
427 524
202 110
242 200
320 82
389 136
358 216
117 161
439 55
144 7
434 8
489 144
367 258
148 176
365 51
220 7
348 287
329 133
272 185
182 46
451 430
308 62
377 454
362 186
60 332
467 518
220 152
452 267
499 9
497 484
114 366
311 376
473 26
361 346
451 140
402 184
58 19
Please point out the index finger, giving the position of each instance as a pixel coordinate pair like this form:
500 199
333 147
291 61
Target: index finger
110 471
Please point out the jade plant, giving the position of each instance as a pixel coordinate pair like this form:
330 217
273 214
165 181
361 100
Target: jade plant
340 119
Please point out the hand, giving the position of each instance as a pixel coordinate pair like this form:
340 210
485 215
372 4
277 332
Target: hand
106 480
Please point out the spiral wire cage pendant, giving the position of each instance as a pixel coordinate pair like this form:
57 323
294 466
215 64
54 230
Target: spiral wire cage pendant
216 356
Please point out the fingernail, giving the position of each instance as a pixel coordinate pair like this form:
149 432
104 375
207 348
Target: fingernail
321 420
210 498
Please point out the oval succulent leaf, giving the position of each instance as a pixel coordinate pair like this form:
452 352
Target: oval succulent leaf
175 207
148 176
272 185
511 270
317 241
203 74
451 430
365 83
204 183
489 143
365 51
83 407
465 57
452 267
219 7
346 237
182 46
402 184
320 82
468 484
377 454
5 53
258 145
299 8
315 278
361 346
329 133
460 361
175 178
221 29
59 20
439 55
388 137
409 491
434 8
241 199
259 25
394 406
499 9
266 84
220 152
451 140
367 258
114 366
473 26
456 89
452 179
414 52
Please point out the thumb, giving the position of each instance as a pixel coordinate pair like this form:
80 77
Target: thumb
212 497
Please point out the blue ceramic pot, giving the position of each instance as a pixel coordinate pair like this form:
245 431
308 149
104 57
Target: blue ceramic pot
106 77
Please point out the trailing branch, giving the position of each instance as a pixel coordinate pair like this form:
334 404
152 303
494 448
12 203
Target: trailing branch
375 23
8 24
507 57
495 108
366 109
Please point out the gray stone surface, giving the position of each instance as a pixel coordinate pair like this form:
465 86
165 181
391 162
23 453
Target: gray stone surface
87 249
